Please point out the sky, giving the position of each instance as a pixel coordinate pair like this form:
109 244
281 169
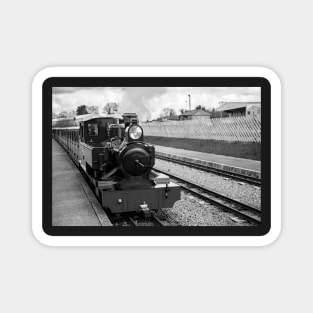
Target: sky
148 102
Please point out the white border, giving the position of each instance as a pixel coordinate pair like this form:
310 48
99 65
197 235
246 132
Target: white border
154 72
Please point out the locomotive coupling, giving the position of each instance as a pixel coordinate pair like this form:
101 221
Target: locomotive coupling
145 209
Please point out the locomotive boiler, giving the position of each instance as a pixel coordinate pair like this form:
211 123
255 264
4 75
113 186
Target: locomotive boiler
111 151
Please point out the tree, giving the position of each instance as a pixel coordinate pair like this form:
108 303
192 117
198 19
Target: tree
93 109
168 112
199 107
110 108
54 115
63 114
81 110
71 113
182 111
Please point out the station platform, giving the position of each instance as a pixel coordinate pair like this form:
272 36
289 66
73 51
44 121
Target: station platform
246 167
73 202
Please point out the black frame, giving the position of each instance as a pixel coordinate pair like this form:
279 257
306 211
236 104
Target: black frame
259 230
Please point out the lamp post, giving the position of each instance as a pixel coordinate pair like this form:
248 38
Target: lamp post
189 102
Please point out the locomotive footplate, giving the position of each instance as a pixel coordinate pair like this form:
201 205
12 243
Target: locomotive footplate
143 200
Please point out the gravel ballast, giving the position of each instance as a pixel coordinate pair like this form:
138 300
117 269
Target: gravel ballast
192 211
237 190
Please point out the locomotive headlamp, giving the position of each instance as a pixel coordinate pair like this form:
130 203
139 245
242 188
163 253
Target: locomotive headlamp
135 132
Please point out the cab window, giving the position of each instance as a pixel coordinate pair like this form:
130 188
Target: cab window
93 129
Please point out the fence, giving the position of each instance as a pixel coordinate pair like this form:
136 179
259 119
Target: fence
241 128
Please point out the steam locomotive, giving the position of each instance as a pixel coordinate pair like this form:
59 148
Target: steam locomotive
111 151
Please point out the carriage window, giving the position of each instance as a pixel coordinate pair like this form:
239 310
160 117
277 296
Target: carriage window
93 129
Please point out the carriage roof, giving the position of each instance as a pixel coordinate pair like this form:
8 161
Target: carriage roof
74 122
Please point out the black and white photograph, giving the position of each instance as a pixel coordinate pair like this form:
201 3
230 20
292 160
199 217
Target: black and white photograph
156 156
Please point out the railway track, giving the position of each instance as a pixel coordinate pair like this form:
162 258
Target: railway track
235 207
236 176
138 222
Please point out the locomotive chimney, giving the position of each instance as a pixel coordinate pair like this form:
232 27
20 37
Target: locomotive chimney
128 117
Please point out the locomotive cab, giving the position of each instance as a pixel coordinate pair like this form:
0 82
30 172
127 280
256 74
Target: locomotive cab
95 136
96 132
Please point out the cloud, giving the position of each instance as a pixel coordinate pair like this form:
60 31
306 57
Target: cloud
138 100
69 100
148 102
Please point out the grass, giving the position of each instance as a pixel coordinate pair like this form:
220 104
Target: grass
245 150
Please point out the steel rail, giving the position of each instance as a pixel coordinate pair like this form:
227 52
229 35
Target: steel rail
131 220
231 205
157 221
152 218
236 176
